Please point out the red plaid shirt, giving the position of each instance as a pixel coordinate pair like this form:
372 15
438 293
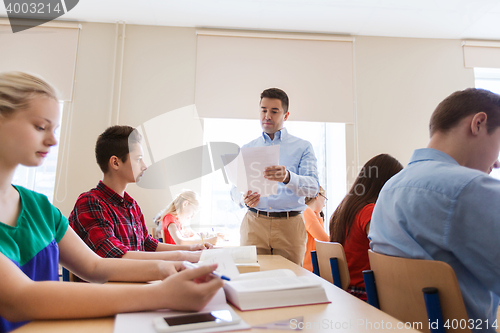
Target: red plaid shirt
109 224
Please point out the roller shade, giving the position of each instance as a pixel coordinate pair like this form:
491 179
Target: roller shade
49 51
481 54
233 68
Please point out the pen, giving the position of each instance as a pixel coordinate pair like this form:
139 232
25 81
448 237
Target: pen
202 241
191 265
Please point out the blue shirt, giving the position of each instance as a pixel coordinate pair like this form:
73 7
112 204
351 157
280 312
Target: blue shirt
297 155
435 209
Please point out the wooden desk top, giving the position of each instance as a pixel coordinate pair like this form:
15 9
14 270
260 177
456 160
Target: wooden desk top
345 313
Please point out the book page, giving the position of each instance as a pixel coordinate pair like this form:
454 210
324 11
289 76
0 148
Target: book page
272 284
273 274
243 254
240 254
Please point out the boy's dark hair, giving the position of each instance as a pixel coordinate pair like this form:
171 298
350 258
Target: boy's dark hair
114 141
464 103
278 94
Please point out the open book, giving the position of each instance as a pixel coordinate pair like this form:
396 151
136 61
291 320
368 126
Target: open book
272 289
245 257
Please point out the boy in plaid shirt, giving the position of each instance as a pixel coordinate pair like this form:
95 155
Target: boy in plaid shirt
109 220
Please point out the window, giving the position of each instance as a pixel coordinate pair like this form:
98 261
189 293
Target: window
328 140
489 78
41 179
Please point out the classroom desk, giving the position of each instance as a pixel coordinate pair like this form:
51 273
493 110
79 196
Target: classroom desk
345 313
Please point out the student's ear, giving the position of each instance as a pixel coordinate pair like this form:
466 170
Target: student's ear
185 204
478 122
286 115
114 162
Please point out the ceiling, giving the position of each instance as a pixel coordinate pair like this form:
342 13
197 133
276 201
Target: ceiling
453 19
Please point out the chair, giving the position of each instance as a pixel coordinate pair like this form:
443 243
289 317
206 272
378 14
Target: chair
154 234
330 263
403 286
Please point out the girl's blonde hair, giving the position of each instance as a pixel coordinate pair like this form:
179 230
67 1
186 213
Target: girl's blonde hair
309 199
17 89
175 207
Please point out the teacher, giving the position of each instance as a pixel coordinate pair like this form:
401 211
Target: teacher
275 223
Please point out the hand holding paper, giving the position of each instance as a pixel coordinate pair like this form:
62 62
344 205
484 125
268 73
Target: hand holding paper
224 261
251 199
277 173
246 171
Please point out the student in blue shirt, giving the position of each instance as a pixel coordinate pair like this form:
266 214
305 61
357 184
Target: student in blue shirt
34 235
444 205
275 223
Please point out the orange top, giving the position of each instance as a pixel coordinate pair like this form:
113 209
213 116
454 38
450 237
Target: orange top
315 230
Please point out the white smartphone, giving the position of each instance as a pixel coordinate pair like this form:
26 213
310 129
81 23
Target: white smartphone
193 321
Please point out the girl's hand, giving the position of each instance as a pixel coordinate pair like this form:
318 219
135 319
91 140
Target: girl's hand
196 247
191 256
189 290
168 268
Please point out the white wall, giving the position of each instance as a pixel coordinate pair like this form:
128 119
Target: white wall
158 76
398 83
88 117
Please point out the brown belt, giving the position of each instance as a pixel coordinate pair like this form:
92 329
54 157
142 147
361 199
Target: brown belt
274 214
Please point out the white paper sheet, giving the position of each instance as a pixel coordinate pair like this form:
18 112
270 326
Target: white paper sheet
240 254
224 261
250 165
230 162
283 324
143 321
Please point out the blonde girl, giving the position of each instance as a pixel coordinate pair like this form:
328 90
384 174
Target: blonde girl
35 238
174 221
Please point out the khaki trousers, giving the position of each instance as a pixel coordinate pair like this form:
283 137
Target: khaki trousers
275 235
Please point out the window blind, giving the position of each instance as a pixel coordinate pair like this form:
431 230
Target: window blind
48 51
233 68
481 54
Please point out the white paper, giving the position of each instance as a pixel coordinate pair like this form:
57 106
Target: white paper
224 261
143 321
240 254
283 324
246 171
255 160
243 254
230 162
